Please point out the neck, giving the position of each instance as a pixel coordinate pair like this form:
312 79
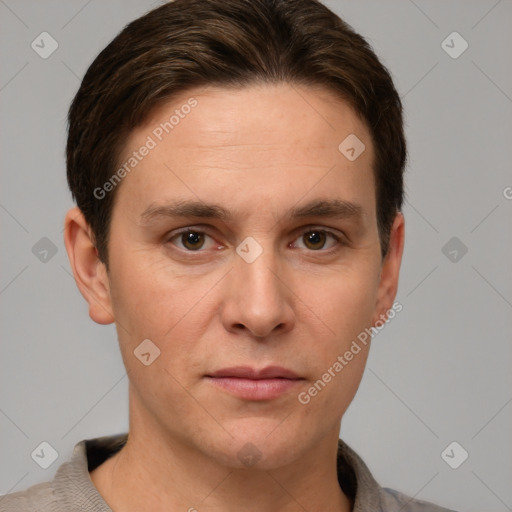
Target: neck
159 472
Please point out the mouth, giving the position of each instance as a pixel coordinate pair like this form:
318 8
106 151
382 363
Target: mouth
251 384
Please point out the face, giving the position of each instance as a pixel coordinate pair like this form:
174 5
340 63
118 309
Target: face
274 263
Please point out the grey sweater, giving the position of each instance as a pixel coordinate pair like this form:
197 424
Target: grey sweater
73 490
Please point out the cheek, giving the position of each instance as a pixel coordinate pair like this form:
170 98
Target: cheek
173 310
340 309
345 300
148 304
151 303
334 385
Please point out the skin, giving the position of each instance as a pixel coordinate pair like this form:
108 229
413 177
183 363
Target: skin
257 151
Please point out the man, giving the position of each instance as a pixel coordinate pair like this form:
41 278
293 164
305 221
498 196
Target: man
237 167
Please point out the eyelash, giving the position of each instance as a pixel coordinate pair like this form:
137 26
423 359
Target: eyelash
338 239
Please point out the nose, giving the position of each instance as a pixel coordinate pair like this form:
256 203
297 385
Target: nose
258 297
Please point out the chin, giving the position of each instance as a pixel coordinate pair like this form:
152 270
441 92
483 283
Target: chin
255 448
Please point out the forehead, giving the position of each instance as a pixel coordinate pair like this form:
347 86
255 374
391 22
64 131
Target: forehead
248 142
257 113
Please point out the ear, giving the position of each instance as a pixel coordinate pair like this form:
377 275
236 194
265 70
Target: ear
90 273
390 270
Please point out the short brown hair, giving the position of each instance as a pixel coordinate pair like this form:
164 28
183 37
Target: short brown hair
189 43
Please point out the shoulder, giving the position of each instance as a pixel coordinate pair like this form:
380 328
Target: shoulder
71 488
39 497
359 484
392 500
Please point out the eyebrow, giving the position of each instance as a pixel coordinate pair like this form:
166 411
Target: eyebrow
327 208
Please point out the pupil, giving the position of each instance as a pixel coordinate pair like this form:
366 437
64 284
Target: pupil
192 238
315 238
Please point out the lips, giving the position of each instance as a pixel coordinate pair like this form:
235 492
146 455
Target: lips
246 372
250 384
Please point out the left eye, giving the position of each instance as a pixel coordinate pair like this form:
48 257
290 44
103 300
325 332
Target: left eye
315 239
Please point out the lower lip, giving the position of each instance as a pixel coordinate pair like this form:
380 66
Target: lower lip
252 389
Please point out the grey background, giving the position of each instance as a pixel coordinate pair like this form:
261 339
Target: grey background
439 372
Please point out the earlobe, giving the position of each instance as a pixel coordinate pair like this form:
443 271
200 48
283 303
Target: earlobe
89 272
388 285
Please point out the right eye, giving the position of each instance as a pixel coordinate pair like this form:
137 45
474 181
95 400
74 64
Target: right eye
191 240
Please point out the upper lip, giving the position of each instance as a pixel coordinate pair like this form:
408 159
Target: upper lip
246 372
